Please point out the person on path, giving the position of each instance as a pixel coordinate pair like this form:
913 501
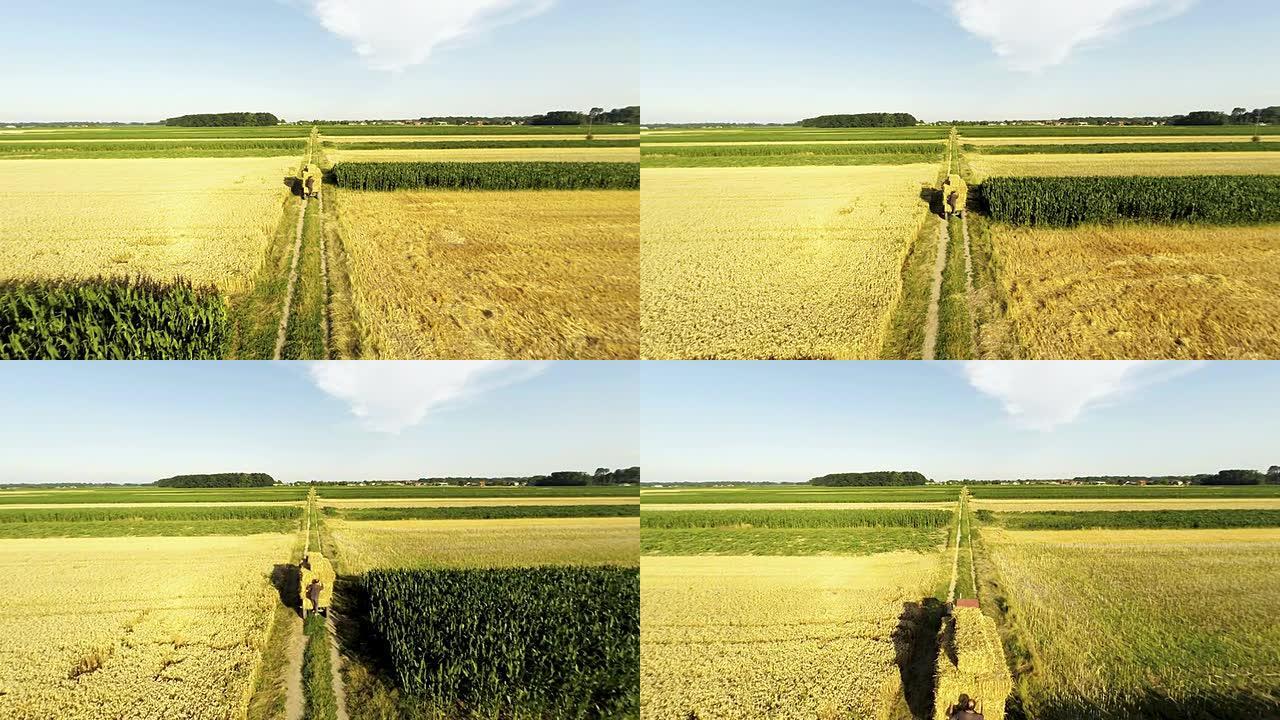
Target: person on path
313 594
964 709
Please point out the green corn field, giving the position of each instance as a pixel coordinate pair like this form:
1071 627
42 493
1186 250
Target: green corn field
1067 201
488 175
111 319
559 642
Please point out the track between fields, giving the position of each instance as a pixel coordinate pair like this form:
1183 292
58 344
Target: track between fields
293 281
935 296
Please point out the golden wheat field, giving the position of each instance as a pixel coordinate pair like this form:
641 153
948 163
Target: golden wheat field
206 219
569 154
791 262
1130 621
1054 504
448 274
1142 163
361 545
134 627
775 637
1141 291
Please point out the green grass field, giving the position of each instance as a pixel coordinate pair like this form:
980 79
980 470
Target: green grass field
358 130
978 131
338 492
783 134
35 495
151 149
787 519
784 155
1125 492
1105 148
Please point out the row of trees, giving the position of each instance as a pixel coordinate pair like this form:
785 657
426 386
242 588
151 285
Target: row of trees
1222 477
1238 116
218 480
238 119
861 120
629 115
865 479
602 476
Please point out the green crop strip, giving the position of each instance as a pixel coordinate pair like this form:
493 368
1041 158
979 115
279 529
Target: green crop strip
488 175
802 518
317 673
1132 519
479 144
484 512
1068 201
1123 147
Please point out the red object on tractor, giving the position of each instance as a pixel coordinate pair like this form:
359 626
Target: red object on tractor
967 603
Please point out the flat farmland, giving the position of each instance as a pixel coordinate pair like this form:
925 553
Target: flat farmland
776 637
206 219
448 274
1157 623
362 545
135 627
1115 139
1160 163
799 494
795 262
339 140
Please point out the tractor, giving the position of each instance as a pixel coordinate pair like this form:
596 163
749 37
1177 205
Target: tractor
955 194
311 181
316 568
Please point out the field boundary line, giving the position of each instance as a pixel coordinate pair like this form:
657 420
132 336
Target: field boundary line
335 669
324 280
293 281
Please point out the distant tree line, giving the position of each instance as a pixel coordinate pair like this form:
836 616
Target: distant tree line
602 476
1238 116
863 479
629 115
861 120
218 480
1222 477
238 119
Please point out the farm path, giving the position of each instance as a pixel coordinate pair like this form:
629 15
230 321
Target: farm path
293 281
294 703
935 297
324 279
335 667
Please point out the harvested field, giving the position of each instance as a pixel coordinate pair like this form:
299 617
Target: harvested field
134 627
1165 163
775 637
1139 291
799 262
1107 139
365 545
607 154
206 219
528 274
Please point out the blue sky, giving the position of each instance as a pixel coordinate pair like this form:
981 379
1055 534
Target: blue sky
144 60
139 421
765 61
791 421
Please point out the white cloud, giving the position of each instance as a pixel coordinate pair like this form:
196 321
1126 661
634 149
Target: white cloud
1032 35
395 34
393 395
1043 395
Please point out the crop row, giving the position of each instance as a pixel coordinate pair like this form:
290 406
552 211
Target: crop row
687 519
488 175
285 145
230 512
484 512
558 642
1121 147
933 149
111 319
1067 201
1131 519
480 144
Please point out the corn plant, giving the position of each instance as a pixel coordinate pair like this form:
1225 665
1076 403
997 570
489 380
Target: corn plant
525 642
111 319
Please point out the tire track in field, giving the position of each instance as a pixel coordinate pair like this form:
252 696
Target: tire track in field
324 280
293 281
935 296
